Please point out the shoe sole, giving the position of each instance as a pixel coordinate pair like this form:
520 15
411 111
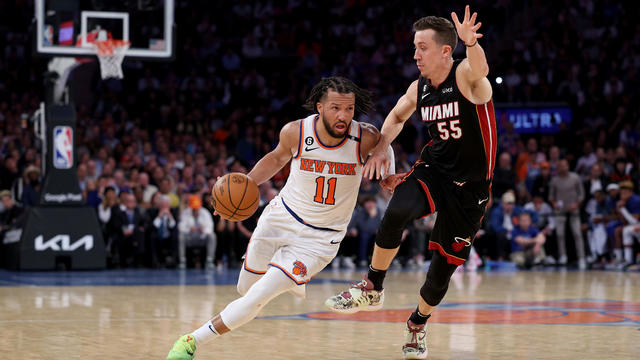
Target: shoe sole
415 356
356 309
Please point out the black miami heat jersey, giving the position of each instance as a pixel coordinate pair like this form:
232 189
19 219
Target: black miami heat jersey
463 135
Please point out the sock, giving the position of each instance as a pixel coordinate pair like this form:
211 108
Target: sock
205 333
628 254
617 253
376 277
418 318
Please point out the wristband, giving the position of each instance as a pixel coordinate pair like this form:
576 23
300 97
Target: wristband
474 44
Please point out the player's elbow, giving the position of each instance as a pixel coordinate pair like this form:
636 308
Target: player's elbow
485 70
481 71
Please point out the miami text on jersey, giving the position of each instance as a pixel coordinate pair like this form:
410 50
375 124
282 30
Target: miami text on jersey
441 111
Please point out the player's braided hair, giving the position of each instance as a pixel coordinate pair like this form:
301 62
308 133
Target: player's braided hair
364 101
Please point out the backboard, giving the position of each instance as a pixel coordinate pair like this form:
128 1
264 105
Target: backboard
67 27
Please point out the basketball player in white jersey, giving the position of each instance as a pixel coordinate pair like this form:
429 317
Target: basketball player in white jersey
300 230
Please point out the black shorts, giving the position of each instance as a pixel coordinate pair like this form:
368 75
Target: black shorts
460 210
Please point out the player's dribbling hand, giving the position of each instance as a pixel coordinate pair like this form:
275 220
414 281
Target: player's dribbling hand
467 29
391 181
377 165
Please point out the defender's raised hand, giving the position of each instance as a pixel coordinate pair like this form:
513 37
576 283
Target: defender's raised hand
467 30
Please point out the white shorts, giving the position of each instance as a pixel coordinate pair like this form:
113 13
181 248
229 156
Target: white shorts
298 250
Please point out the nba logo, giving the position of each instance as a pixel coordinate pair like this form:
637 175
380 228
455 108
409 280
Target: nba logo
62 147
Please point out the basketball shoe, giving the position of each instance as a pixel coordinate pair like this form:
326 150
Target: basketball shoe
359 297
183 348
415 341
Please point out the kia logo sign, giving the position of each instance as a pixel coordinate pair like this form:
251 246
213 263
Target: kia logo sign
63 243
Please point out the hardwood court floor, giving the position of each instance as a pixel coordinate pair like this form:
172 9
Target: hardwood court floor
485 315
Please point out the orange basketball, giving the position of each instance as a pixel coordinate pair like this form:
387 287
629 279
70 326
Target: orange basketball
235 197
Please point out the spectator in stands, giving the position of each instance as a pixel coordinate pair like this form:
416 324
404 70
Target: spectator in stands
147 189
129 233
605 166
187 181
601 210
504 178
82 176
540 185
91 194
595 181
546 222
9 173
10 214
121 182
226 234
528 162
92 170
503 221
166 188
613 191
554 159
421 230
620 171
31 191
363 225
527 245
105 210
587 160
628 208
566 194
196 229
163 235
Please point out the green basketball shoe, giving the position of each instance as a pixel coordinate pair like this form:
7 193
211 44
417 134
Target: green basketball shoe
183 348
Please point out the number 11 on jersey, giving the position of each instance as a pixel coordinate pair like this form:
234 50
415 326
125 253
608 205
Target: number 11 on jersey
331 192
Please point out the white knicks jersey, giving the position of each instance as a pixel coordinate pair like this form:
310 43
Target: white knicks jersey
322 188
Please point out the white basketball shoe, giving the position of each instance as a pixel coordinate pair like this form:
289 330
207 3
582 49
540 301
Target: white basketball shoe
359 297
415 341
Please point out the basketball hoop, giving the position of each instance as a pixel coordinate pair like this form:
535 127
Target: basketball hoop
111 53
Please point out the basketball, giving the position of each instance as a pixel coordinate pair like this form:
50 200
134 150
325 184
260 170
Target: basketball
235 197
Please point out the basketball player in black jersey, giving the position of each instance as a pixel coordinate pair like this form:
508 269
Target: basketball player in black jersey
453 175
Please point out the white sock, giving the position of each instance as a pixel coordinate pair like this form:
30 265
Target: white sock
617 253
205 333
628 255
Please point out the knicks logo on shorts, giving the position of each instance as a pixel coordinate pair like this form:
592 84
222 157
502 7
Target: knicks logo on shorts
460 243
299 269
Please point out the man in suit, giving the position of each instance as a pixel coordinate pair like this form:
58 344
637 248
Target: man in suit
129 225
163 235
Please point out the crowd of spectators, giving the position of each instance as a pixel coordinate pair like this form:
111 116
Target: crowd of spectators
150 146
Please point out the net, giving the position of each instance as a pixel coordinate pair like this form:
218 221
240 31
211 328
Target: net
111 53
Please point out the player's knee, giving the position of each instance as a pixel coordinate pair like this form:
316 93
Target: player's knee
437 282
390 232
242 288
433 290
245 281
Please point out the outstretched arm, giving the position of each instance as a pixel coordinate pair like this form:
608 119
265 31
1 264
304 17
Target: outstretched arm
472 72
271 163
379 163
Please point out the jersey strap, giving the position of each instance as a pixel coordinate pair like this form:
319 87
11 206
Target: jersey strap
295 216
300 140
